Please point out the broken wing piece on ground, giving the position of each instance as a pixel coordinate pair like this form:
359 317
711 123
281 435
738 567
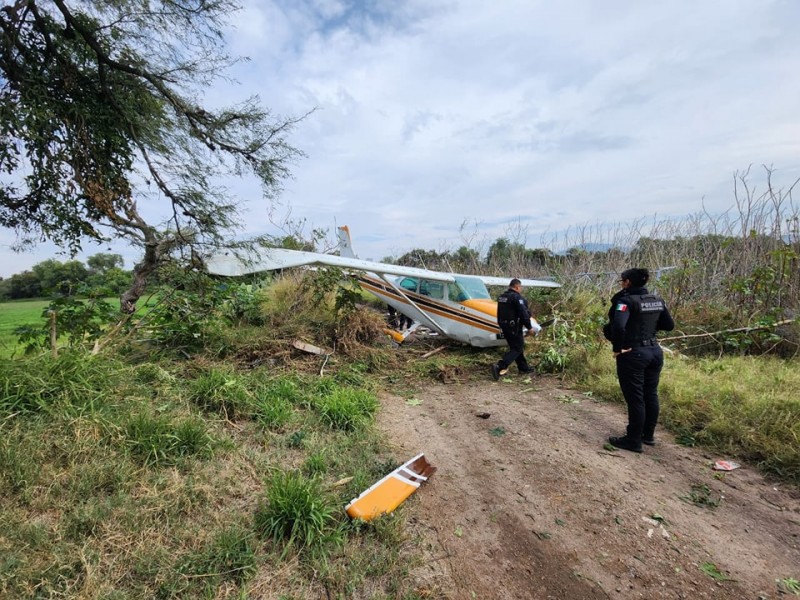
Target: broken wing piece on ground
388 493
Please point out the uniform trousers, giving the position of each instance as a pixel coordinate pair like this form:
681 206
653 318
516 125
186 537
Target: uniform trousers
516 349
638 372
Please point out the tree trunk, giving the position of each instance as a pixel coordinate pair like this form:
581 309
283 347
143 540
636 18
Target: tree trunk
153 253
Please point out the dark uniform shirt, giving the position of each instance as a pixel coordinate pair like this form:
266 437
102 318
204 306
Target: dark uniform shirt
512 310
637 316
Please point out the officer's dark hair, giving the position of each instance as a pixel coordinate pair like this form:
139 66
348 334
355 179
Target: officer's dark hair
514 283
637 277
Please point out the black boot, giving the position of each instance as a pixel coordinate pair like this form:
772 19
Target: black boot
625 443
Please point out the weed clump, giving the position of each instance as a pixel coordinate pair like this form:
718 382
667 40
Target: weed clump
156 440
221 391
72 383
296 510
347 408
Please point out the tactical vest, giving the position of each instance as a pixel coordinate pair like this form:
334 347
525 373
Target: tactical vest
507 309
642 323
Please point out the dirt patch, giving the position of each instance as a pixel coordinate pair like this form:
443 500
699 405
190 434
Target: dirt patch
526 502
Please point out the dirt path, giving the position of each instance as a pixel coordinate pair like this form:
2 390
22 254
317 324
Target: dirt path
526 503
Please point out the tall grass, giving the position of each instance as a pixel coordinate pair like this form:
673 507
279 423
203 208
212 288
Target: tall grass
740 407
157 440
347 408
296 509
222 391
74 382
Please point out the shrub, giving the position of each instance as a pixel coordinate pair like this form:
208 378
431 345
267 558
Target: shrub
81 321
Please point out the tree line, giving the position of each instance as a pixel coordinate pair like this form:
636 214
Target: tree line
103 275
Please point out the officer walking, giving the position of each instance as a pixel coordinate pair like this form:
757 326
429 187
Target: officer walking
512 316
635 316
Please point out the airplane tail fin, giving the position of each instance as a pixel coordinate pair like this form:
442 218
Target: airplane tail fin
345 245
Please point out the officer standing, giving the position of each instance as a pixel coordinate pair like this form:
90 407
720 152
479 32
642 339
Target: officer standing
512 316
635 317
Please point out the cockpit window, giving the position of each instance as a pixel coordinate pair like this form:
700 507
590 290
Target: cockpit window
434 289
470 287
409 284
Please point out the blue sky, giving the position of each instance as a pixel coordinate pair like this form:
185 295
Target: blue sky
534 115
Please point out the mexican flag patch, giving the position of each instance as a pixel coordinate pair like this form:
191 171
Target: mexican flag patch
622 307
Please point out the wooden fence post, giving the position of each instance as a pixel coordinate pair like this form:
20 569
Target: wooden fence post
53 334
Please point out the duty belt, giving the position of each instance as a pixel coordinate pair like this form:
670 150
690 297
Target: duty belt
638 343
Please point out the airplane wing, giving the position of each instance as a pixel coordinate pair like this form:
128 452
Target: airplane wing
503 281
271 259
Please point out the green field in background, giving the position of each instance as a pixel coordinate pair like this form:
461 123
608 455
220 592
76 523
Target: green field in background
22 312
15 314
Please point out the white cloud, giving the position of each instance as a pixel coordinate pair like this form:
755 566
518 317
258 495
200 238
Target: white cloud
431 113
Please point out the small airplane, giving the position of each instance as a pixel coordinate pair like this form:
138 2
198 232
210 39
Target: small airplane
453 305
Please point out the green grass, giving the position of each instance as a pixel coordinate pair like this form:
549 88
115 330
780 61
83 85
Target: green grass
741 407
347 408
13 315
296 509
188 480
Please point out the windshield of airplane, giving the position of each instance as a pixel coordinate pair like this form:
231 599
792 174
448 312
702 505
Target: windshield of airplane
470 287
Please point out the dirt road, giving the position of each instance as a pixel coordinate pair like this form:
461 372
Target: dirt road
527 503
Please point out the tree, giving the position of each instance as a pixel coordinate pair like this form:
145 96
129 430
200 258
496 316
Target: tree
504 255
424 259
24 285
99 111
56 277
102 262
106 276
465 259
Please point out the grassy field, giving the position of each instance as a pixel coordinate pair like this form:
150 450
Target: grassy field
27 312
191 480
13 315
222 473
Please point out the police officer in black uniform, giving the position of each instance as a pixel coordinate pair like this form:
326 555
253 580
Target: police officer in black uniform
512 316
635 316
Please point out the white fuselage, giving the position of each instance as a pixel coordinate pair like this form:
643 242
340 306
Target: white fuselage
472 320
